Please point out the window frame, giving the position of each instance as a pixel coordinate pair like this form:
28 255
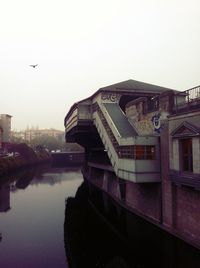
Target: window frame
186 155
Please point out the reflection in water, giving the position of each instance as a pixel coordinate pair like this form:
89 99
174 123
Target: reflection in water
99 233
21 179
43 174
55 175
4 198
25 178
32 230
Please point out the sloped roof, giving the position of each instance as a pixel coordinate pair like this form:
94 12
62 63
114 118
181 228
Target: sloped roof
129 86
133 85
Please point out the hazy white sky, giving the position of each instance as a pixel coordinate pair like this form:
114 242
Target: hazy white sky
82 45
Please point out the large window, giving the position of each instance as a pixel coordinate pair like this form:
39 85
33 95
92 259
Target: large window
145 152
186 155
139 152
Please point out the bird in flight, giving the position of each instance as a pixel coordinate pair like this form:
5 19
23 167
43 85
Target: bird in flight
33 65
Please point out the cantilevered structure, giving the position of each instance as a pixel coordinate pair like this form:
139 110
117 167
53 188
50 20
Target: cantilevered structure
100 124
142 145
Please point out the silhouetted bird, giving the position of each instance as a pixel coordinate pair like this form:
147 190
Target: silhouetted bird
33 65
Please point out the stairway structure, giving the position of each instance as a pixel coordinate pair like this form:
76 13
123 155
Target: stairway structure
133 156
142 149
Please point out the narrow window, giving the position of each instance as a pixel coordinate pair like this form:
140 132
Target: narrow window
186 155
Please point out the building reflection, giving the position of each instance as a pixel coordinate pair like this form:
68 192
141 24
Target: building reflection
32 176
99 233
25 179
13 183
4 198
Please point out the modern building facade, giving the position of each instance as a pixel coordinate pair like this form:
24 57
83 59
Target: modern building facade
142 145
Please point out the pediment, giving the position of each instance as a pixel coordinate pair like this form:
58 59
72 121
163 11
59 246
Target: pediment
185 129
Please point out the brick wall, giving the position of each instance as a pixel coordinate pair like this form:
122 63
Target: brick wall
145 198
187 212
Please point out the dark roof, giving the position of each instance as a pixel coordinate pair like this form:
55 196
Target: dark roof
128 86
133 85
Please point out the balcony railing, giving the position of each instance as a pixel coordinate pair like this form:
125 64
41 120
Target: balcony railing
188 100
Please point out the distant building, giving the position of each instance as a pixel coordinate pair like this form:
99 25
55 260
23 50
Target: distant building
17 135
30 134
33 133
5 132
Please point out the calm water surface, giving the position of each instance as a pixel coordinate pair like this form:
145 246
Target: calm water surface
32 212
50 218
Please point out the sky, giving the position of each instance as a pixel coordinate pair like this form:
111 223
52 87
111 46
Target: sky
82 45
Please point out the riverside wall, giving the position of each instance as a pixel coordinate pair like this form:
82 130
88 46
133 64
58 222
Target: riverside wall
151 201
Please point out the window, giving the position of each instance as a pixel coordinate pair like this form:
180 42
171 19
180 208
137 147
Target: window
139 152
145 152
126 152
152 104
186 155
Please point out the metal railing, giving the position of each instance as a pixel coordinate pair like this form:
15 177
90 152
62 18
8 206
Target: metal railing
187 100
193 93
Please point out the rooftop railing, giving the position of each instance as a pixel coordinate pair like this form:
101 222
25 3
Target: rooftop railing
193 93
188 100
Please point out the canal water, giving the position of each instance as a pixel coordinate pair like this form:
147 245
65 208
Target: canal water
50 218
32 212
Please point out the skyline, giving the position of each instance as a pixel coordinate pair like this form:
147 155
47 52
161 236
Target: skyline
81 46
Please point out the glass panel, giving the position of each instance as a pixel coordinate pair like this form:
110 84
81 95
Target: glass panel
140 151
